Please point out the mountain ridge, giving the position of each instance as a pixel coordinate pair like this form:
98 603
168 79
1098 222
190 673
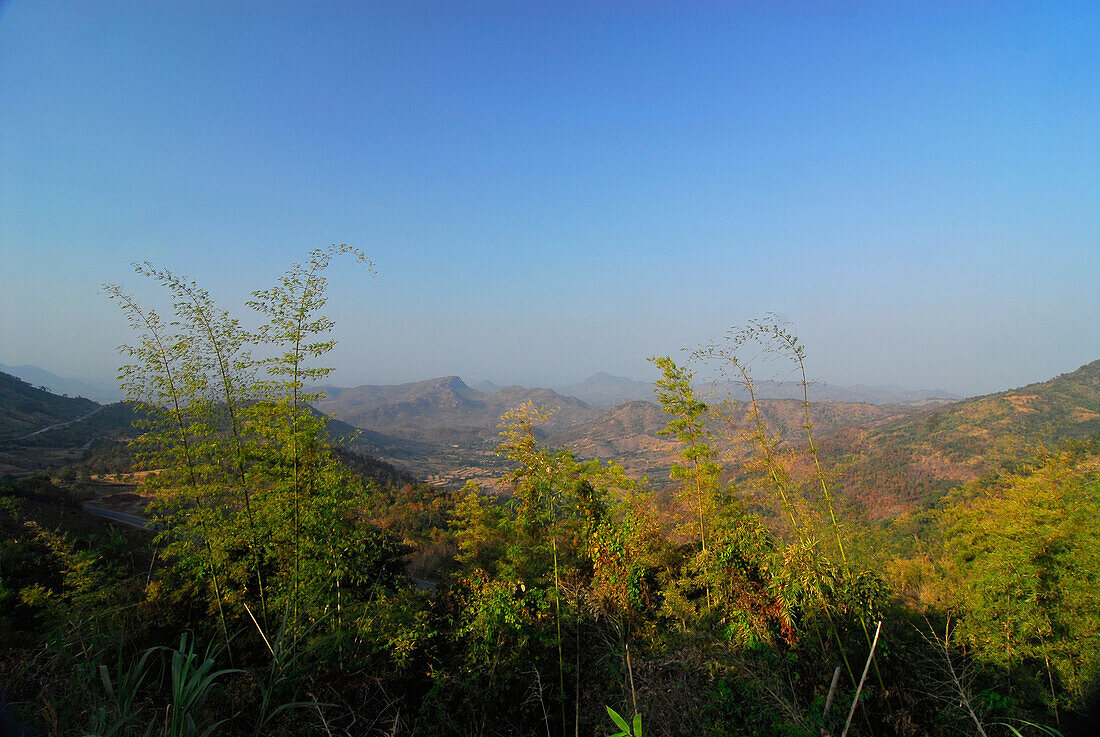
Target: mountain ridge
441 403
911 461
63 386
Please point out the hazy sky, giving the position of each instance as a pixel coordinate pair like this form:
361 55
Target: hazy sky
553 189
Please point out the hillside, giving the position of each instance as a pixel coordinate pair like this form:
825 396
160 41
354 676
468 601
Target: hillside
103 393
629 433
899 464
41 430
857 393
25 409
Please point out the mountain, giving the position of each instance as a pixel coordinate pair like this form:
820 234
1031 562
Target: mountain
822 392
446 431
40 429
630 435
26 410
888 458
39 377
604 390
626 434
897 465
443 411
441 429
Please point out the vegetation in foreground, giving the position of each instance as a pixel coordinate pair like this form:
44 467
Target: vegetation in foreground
275 595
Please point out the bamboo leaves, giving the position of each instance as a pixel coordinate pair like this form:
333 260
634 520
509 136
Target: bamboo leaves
246 483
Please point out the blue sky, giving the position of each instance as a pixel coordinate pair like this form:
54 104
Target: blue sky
553 189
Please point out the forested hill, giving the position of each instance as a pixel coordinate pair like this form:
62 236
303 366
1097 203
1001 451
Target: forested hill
25 409
897 465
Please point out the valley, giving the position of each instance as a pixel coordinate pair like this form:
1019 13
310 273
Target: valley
887 458
446 432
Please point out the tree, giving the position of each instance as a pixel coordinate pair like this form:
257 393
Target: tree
250 494
531 561
1023 571
700 472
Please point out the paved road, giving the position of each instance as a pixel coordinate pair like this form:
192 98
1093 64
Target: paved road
423 585
127 519
61 424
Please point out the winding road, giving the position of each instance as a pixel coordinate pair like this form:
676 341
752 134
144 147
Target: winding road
61 424
121 517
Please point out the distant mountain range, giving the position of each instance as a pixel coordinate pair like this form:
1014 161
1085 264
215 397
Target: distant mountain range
39 377
604 390
444 410
894 455
601 390
445 430
822 392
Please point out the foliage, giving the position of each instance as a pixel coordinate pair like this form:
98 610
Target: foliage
251 497
1022 560
699 473
193 678
633 729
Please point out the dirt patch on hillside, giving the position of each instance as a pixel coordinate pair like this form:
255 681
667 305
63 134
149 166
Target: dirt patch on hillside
131 477
1080 414
1022 402
938 467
